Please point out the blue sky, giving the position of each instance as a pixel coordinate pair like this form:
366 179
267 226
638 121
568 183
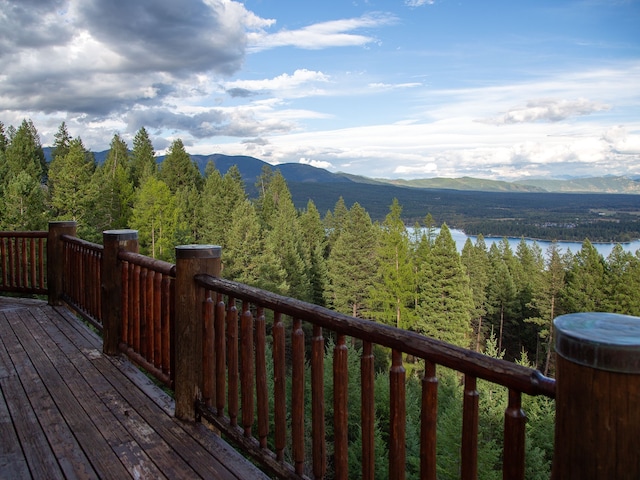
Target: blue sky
390 89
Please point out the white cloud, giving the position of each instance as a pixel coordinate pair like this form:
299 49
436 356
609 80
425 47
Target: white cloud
552 110
316 163
418 3
336 33
302 82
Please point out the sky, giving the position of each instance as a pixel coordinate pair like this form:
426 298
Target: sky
502 90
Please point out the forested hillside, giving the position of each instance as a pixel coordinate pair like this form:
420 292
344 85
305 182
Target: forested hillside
493 300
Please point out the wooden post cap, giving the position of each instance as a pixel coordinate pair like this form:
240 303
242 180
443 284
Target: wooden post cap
120 235
198 251
604 341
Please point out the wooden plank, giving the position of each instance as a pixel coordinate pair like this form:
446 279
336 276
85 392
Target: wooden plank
12 461
72 461
88 388
40 458
63 384
198 454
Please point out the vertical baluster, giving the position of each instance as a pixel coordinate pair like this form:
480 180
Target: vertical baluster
221 356
24 266
87 280
165 320
514 432
32 262
297 396
340 408
10 251
171 333
78 276
469 444
317 404
148 314
261 379
3 260
232 361
125 334
397 417
132 305
208 371
95 260
428 422
280 413
142 315
135 310
99 276
158 359
367 411
41 265
247 363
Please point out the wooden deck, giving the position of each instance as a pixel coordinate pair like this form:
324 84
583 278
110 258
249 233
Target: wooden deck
68 411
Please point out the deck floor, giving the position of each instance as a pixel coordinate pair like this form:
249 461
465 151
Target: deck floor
68 411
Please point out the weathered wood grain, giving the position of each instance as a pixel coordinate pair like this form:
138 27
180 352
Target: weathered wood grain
82 414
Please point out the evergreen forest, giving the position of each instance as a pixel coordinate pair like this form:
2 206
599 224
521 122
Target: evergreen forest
493 300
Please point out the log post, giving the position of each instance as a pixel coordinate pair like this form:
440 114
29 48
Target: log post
114 241
191 260
55 258
597 433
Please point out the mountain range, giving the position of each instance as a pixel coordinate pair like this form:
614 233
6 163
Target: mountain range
251 168
601 209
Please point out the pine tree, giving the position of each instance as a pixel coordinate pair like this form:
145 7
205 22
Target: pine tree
24 204
501 292
476 262
622 282
528 279
335 222
62 142
111 190
155 216
178 170
352 264
392 293
314 245
247 259
70 182
220 198
143 160
585 280
546 300
446 302
24 154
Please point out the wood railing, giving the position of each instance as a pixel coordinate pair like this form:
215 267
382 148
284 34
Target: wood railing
23 262
235 322
81 278
208 338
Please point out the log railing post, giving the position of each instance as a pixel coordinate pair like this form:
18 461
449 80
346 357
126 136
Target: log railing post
55 258
114 241
597 397
191 260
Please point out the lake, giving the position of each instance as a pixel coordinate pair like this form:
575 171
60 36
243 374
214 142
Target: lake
603 248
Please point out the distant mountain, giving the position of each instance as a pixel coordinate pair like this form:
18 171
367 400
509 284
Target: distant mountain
466 183
586 185
251 168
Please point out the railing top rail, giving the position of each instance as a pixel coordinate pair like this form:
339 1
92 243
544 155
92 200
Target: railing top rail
34 234
498 371
154 264
78 241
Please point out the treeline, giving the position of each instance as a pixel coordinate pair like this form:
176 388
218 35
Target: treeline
489 299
